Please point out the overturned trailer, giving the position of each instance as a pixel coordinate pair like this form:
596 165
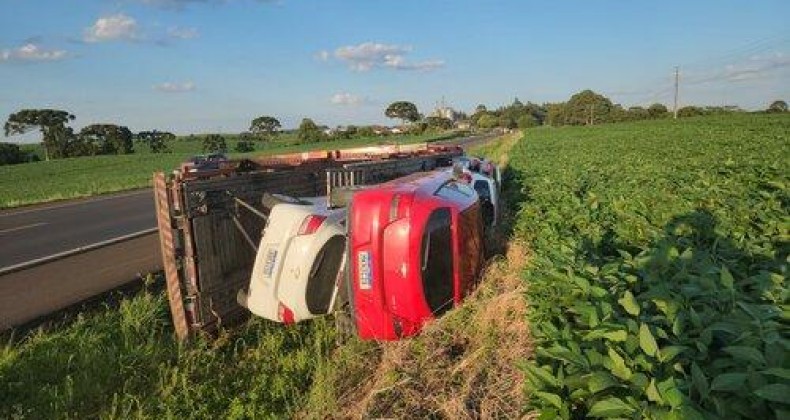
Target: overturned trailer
209 221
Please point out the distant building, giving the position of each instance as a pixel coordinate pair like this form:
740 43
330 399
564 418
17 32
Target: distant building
443 110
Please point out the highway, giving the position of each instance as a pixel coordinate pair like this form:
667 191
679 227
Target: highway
40 231
55 255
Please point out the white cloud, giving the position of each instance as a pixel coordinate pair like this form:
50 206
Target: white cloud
754 68
175 87
348 99
31 52
182 33
370 55
118 27
399 63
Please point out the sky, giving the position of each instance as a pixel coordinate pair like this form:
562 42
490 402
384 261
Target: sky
198 66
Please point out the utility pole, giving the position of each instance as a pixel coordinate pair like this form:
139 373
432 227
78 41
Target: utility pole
677 76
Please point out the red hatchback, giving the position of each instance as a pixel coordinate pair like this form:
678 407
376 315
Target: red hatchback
415 248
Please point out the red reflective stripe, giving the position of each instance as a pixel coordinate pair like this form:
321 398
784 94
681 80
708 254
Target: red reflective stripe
285 314
311 224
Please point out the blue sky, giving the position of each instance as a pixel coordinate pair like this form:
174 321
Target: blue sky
213 65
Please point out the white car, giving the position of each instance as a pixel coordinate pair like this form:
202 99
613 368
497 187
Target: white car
481 176
299 261
481 165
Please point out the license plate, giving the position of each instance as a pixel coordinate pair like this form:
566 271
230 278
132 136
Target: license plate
365 276
268 263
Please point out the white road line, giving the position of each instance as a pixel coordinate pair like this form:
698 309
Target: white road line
14 229
76 202
75 251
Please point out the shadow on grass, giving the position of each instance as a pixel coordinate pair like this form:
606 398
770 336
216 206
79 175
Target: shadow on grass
711 305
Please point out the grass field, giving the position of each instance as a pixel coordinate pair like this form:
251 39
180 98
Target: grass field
86 176
658 287
652 256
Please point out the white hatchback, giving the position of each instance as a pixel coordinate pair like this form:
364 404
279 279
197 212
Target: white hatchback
299 260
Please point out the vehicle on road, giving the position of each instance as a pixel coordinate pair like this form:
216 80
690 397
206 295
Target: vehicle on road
201 163
415 249
299 260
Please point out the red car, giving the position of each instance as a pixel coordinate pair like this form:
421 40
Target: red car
415 249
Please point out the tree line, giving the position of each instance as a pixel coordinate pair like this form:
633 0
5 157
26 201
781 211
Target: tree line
588 108
583 108
61 141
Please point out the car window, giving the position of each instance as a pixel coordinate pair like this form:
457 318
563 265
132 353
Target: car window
453 189
483 189
437 261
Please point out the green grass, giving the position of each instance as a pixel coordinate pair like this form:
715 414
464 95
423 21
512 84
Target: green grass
81 177
658 287
124 363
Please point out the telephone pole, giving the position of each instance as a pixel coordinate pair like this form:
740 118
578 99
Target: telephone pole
677 76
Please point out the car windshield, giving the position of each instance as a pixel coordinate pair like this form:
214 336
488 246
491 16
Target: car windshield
437 261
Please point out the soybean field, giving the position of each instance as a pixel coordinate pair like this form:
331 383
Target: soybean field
658 283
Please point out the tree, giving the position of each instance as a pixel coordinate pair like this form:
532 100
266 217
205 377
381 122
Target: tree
245 143
480 108
214 143
405 111
508 121
439 123
265 127
487 121
107 139
365 131
555 114
10 154
690 111
657 111
526 121
156 140
588 108
777 106
636 113
308 132
51 122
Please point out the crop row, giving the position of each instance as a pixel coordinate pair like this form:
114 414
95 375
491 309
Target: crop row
658 287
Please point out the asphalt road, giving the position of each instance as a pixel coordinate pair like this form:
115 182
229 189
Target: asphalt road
30 294
40 231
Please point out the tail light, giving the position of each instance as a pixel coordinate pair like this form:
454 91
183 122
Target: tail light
310 224
285 314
